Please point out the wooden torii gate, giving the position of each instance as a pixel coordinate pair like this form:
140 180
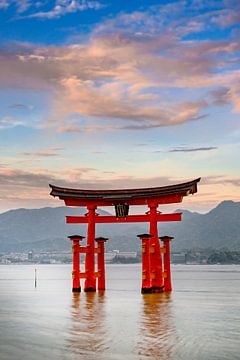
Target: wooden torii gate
155 277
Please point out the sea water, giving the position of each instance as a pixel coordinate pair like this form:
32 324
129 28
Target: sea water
199 320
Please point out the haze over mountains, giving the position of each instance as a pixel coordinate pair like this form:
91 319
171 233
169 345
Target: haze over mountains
45 229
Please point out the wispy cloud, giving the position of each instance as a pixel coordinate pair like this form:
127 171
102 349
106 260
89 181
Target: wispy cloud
8 122
4 4
60 7
49 152
222 180
228 16
21 5
19 106
82 177
19 178
193 149
63 7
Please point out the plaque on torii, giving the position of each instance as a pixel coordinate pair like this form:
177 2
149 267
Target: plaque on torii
122 199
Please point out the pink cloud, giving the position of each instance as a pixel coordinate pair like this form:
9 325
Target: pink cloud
221 180
228 16
8 122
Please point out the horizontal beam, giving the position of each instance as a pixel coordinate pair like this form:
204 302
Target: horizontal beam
84 249
158 200
83 275
102 219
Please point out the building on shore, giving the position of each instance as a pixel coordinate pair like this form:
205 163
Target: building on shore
178 258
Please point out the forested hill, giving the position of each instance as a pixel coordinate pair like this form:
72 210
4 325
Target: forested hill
45 229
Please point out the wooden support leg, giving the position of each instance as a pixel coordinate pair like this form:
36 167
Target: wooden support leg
76 287
167 264
101 262
146 281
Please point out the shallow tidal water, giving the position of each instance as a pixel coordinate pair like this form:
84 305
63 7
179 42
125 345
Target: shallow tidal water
199 320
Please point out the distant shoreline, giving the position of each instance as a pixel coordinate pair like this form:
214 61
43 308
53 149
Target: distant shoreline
118 263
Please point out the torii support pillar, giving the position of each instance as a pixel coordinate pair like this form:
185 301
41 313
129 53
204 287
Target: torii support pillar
155 252
101 262
76 287
90 282
146 281
167 267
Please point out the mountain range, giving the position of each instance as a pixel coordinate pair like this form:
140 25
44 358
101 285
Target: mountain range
45 229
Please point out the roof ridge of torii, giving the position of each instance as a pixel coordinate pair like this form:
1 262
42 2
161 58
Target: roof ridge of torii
135 196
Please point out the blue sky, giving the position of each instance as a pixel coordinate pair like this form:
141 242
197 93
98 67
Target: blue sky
100 94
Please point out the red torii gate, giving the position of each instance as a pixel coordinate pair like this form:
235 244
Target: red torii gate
154 279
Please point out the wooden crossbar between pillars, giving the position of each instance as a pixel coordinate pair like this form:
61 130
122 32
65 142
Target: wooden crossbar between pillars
83 275
84 249
102 219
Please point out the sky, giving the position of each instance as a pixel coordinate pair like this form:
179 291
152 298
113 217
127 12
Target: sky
119 94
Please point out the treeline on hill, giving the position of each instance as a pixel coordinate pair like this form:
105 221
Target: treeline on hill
213 256
224 257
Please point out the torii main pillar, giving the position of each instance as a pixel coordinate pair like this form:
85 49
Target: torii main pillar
155 253
90 282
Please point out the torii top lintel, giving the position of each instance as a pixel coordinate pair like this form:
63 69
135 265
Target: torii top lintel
157 195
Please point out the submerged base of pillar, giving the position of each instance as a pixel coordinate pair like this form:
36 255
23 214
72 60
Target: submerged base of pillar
146 290
90 289
157 289
168 289
76 290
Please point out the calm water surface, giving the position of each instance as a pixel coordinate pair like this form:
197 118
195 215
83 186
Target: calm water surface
200 319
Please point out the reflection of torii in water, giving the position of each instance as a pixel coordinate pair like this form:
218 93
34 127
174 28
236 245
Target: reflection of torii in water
87 334
157 332
159 280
